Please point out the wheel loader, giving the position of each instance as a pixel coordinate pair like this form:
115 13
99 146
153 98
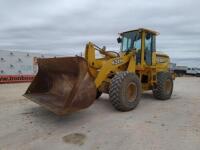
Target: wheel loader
68 84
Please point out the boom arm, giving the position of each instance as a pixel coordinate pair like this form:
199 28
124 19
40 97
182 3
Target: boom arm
109 64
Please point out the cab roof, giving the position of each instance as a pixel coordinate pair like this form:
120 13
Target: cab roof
142 29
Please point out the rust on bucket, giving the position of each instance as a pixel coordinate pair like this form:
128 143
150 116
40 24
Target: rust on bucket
62 85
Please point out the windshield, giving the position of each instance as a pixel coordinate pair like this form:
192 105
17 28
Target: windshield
131 40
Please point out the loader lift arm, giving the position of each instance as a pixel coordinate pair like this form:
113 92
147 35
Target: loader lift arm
107 65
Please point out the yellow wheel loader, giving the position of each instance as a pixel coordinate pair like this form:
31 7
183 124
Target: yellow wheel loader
69 84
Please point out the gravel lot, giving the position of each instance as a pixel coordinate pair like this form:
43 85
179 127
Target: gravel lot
153 125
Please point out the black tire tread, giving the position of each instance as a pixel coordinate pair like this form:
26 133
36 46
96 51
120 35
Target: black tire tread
159 92
114 91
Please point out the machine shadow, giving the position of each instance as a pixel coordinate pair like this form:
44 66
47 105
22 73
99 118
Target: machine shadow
42 116
147 96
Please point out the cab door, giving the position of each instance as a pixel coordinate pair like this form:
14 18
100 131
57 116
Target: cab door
149 48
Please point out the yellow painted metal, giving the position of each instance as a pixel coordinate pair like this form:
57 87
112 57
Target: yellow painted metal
142 52
131 65
141 30
109 65
154 59
69 84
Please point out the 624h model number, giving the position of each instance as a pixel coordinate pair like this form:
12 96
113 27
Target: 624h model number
117 61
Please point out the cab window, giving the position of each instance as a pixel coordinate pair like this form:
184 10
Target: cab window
132 40
149 47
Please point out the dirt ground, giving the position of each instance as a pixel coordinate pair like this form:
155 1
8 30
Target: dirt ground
153 125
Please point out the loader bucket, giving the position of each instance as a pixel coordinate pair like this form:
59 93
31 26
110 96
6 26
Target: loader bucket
62 85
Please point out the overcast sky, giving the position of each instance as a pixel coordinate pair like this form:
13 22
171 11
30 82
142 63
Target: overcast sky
65 26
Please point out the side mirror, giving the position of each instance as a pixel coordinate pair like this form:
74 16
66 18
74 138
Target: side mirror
104 48
119 39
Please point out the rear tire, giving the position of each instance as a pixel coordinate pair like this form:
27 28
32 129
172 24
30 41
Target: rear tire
125 91
164 86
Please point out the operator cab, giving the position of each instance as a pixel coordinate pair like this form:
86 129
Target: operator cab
134 39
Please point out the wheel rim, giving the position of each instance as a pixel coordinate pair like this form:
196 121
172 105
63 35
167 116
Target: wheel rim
132 92
168 86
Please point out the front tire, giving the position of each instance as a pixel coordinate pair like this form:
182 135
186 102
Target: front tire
164 86
125 91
